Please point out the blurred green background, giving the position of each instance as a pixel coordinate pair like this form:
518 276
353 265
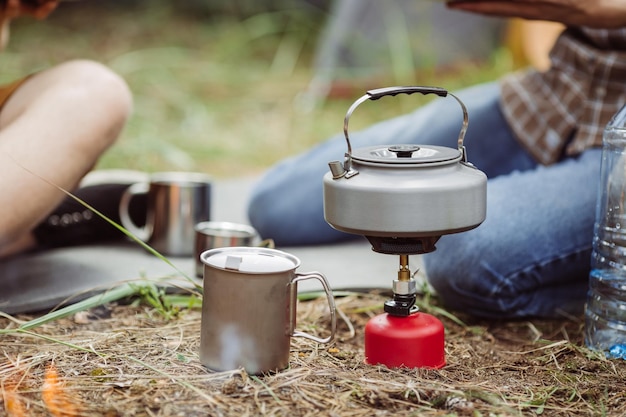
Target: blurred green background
218 85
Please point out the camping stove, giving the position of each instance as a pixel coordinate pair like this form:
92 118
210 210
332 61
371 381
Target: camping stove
403 198
404 336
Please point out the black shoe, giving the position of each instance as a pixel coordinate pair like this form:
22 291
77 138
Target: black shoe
72 224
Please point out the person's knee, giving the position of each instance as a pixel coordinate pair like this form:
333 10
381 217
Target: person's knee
101 91
289 209
96 78
87 100
262 213
274 213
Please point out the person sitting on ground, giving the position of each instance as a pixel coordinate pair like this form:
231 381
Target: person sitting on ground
536 134
54 125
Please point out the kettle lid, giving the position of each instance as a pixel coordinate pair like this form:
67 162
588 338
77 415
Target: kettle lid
413 155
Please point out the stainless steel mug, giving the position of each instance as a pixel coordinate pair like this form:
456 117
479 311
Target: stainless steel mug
211 235
249 308
177 201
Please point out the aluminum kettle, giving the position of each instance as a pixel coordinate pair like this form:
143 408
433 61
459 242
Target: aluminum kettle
404 197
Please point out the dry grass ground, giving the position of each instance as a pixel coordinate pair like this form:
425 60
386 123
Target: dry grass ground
128 360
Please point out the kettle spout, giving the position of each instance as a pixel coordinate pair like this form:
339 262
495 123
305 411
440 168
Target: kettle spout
337 169
342 169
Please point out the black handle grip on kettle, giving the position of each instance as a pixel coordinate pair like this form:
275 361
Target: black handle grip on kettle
393 91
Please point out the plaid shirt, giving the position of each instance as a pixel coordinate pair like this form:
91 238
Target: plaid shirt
564 110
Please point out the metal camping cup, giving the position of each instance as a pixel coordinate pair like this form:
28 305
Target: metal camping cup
211 235
177 201
249 308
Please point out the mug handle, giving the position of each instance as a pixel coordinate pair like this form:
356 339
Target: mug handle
142 233
292 306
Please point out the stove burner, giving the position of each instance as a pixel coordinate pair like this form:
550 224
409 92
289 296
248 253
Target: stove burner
403 245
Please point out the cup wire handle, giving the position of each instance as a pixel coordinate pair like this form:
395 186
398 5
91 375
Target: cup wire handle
143 233
331 304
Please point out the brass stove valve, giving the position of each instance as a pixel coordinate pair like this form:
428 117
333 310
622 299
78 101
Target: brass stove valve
404 292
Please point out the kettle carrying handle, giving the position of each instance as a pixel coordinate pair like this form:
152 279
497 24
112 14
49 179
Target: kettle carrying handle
393 91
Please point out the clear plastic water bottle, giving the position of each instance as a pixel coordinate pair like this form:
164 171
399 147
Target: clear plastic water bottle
605 311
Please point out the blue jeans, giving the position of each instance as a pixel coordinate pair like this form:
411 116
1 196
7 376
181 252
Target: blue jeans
531 255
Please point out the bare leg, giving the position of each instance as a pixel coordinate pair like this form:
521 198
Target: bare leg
56 125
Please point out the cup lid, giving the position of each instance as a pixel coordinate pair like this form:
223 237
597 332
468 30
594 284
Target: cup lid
250 260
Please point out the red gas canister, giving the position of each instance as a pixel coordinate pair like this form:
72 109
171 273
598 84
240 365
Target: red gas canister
414 341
